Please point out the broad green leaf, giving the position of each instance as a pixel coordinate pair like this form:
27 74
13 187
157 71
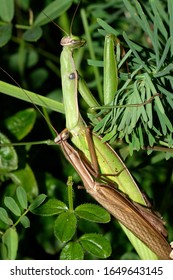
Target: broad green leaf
65 226
7 10
52 11
27 181
10 240
38 77
3 251
46 238
9 159
25 221
92 212
96 245
11 204
5 34
37 202
21 123
32 58
51 207
72 251
33 34
4 217
22 197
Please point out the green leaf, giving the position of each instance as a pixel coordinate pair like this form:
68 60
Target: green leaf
5 34
139 16
25 221
65 226
107 27
38 77
96 244
92 212
72 251
3 251
43 101
27 181
11 204
46 238
4 217
52 11
51 207
23 5
10 240
37 202
33 34
7 10
9 159
21 123
22 197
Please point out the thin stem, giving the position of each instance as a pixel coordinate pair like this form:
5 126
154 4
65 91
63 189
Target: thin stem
127 105
70 193
46 142
159 149
92 54
21 26
24 214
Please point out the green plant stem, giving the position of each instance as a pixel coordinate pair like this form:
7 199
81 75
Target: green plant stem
70 193
43 142
92 54
24 214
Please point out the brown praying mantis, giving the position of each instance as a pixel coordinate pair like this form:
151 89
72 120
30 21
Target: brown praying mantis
109 192
145 224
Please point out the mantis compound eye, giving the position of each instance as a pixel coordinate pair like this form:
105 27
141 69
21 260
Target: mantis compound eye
72 76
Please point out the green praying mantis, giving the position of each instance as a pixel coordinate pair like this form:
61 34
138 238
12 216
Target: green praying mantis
110 189
108 160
